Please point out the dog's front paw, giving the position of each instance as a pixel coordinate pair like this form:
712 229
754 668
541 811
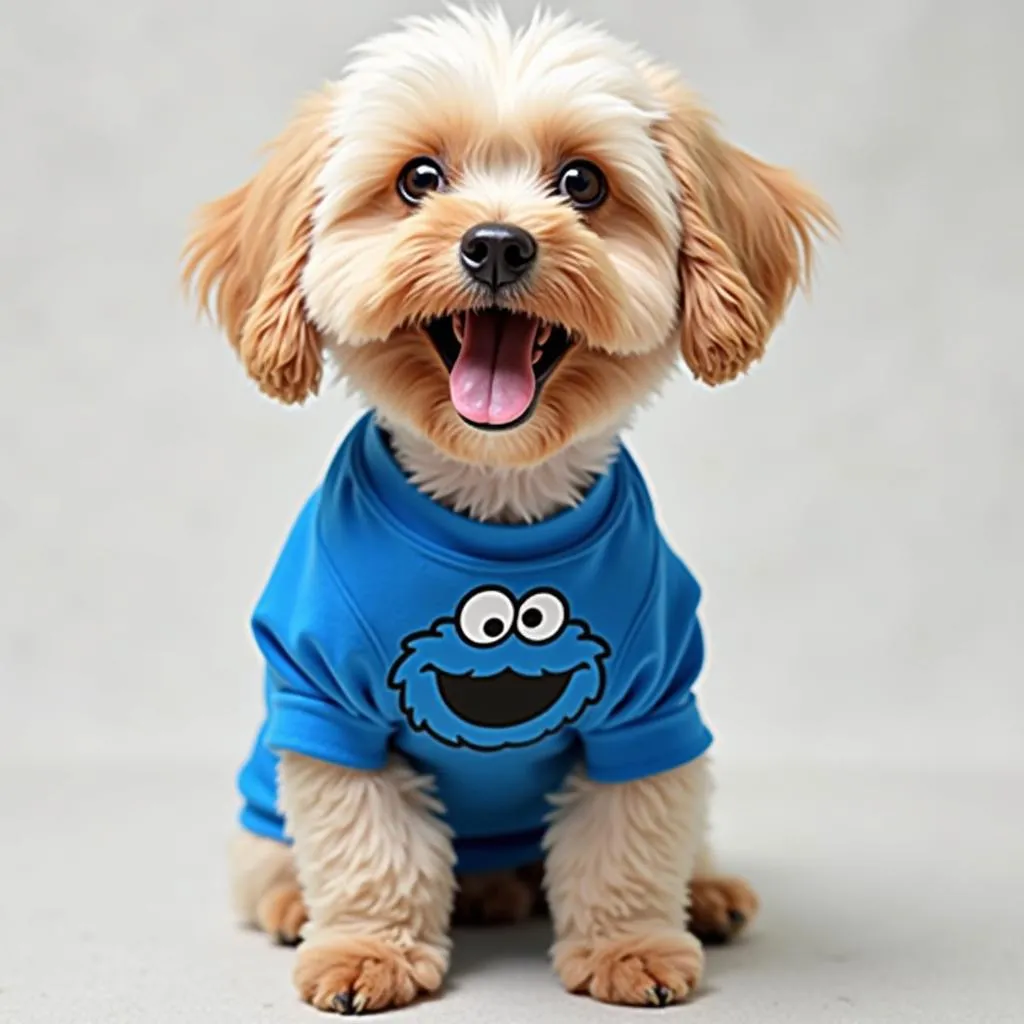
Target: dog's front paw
281 913
359 975
720 908
655 969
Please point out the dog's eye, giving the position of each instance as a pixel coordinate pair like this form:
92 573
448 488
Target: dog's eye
419 177
486 617
541 617
583 184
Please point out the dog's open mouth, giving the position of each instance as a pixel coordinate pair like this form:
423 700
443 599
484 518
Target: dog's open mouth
497 363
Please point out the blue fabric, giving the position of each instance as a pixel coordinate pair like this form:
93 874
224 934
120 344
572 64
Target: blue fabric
493 657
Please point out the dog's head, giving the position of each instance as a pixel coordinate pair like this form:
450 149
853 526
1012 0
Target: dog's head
502 239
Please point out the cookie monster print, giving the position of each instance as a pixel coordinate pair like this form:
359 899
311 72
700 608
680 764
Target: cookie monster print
501 672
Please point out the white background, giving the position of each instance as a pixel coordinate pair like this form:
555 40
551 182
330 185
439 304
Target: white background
852 508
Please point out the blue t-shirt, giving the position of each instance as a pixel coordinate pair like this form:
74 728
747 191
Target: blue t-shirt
492 657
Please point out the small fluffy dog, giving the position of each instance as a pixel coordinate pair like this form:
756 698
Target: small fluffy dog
480 650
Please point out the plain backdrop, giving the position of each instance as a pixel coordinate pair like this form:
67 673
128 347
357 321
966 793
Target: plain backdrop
853 508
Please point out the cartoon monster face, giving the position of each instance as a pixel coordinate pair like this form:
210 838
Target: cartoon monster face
502 672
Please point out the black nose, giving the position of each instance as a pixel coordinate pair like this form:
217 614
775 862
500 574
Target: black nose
497 254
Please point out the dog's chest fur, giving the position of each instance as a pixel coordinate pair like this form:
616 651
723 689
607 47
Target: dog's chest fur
503 494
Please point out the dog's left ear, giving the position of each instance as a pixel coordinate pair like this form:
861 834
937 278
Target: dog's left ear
251 246
747 235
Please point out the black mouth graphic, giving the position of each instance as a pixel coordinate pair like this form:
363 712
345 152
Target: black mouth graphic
502 700
550 348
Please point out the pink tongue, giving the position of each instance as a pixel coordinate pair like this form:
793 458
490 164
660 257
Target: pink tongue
492 381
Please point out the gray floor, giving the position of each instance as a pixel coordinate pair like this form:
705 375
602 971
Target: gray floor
852 508
889 897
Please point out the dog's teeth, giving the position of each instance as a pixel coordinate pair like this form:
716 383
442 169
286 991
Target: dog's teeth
543 334
459 326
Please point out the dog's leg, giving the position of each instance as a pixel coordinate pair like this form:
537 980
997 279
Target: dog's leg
619 860
265 888
266 892
376 866
721 906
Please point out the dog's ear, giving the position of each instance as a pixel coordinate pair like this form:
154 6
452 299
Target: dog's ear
250 247
747 235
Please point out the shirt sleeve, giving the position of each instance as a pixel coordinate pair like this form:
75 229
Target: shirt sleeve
321 662
651 722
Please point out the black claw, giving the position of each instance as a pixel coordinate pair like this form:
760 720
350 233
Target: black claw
662 995
344 1003
287 940
737 918
714 938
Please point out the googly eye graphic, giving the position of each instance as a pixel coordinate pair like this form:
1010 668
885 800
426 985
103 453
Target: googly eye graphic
541 616
486 617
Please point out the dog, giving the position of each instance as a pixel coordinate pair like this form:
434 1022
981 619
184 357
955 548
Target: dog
480 650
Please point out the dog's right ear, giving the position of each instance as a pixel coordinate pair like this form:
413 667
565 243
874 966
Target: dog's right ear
748 230
251 245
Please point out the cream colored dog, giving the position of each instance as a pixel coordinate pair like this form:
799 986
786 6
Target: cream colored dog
648 236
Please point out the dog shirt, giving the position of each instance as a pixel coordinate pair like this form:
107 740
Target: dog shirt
492 657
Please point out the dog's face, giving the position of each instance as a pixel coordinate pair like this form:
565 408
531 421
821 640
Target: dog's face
503 240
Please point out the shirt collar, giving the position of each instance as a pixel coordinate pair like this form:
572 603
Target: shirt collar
432 522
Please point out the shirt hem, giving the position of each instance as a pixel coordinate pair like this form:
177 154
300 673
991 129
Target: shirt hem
264 826
300 725
631 771
329 754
